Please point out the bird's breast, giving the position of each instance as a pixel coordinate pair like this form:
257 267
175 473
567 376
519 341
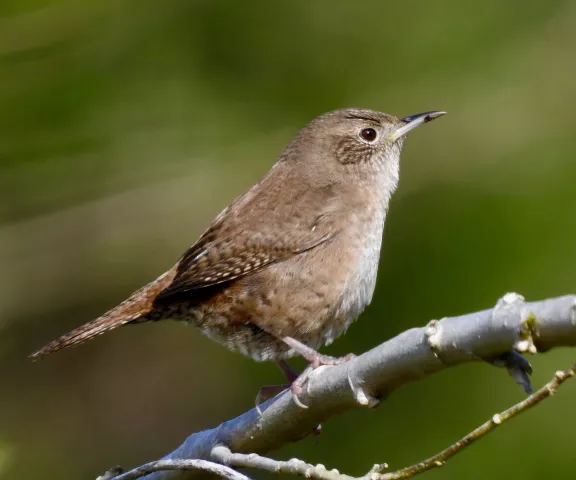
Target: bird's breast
363 244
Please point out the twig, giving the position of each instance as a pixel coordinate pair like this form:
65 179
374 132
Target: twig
294 466
440 458
182 465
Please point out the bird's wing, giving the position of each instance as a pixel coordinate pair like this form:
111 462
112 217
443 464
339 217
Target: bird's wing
225 254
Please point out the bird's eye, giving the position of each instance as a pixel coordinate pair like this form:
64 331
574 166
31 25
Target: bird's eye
368 134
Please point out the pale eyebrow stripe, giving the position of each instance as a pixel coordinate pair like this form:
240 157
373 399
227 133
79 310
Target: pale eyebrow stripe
360 117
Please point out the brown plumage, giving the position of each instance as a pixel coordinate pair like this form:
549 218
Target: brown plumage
293 261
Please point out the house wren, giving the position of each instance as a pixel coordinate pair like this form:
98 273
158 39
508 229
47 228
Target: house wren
291 263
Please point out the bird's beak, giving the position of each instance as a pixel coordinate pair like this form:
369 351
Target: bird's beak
412 122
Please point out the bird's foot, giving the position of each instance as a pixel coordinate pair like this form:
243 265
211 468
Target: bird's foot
316 360
320 360
269 391
297 387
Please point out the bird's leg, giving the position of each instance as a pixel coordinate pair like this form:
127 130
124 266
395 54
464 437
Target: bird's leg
315 359
269 391
287 370
295 381
292 375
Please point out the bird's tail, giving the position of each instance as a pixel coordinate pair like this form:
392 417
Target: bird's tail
135 307
81 334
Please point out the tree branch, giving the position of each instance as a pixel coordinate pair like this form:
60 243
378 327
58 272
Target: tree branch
486 335
295 466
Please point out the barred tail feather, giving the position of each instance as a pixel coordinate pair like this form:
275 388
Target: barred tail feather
134 308
79 335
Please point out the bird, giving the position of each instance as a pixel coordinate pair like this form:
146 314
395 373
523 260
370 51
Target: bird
288 266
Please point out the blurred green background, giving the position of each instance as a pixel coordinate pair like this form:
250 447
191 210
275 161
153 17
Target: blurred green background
125 126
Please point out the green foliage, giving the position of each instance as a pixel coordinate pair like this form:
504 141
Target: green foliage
5 457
